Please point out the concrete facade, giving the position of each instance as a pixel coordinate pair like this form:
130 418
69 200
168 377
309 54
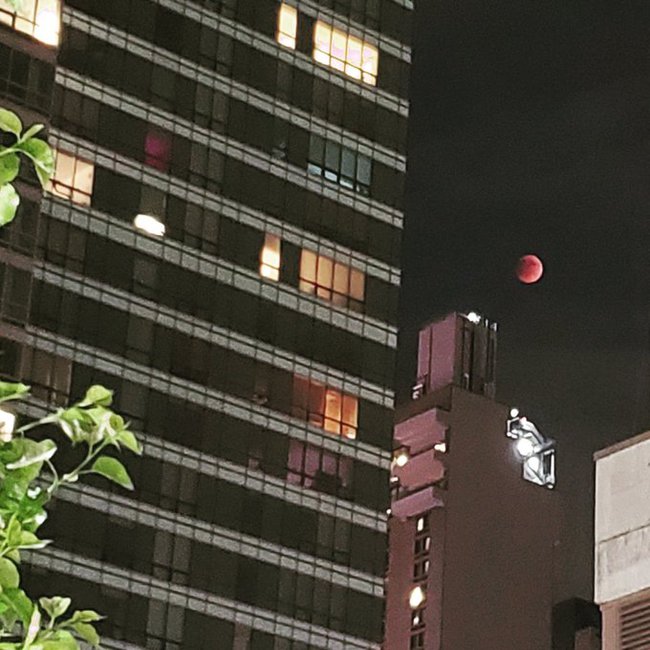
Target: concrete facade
622 543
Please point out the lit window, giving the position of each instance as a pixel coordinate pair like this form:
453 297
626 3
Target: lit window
422 545
157 149
270 258
417 597
287 26
422 523
38 18
417 618
339 164
149 224
325 407
330 280
73 178
348 54
421 570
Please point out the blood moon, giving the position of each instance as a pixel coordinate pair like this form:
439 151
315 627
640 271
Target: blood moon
529 269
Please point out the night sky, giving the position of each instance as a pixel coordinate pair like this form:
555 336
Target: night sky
530 132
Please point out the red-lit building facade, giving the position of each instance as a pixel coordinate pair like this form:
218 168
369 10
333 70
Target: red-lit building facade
471 550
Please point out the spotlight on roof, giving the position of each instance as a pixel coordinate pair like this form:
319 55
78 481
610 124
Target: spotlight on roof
149 224
473 317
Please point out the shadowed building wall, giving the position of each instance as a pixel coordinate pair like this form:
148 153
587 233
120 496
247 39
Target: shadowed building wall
471 542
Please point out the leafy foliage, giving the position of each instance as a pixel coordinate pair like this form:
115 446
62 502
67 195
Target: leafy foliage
25 143
29 479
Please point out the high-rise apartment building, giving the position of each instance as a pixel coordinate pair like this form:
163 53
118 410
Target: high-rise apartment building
473 525
622 543
220 245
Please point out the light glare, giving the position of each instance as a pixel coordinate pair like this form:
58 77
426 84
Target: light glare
417 597
401 459
7 424
525 447
150 225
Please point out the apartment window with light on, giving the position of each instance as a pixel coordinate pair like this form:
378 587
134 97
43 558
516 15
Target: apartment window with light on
287 26
270 258
38 18
346 53
72 179
325 407
330 280
339 165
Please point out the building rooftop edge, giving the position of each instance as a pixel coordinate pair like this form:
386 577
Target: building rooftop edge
620 446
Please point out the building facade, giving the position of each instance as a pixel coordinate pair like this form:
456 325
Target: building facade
220 245
622 543
472 526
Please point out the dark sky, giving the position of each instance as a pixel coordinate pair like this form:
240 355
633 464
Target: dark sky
530 132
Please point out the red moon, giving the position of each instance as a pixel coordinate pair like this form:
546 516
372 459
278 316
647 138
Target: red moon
529 269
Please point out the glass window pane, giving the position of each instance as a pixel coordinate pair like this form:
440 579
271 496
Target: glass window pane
287 26
364 169
317 149
270 257
348 163
357 284
341 278
308 266
333 156
325 272
333 406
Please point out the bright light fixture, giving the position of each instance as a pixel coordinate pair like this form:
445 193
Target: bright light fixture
514 412
473 317
441 447
416 597
7 424
534 463
150 225
525 447
401 459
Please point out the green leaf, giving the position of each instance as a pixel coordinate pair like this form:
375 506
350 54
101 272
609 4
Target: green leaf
60 640
43 158
55 606
9 168
10 122
12 391
112 469
19 602
32 131
9 576
128 440
33 628
38 453
88 633
9 202
97 395
29 541
86 616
